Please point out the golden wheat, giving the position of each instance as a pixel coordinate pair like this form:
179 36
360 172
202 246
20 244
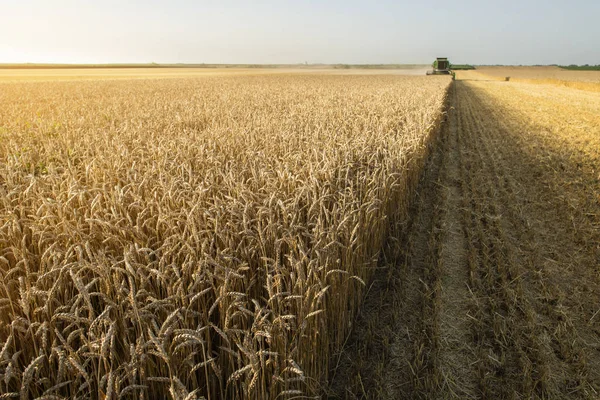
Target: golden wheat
197 237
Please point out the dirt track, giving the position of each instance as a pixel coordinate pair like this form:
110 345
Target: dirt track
492 289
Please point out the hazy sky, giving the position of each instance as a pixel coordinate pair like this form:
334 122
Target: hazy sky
282 31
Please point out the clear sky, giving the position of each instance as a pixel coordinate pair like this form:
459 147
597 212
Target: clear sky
284 31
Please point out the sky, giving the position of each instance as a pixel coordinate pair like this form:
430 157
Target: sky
288 32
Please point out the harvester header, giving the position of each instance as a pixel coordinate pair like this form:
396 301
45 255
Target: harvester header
441 66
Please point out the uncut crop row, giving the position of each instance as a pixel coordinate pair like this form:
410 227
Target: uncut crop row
197 237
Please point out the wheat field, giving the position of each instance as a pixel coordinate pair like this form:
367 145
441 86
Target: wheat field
201 236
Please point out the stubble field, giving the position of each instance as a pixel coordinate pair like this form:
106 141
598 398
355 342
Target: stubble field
540 73
581 80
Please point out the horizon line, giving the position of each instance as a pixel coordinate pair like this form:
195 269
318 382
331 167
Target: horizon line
17 65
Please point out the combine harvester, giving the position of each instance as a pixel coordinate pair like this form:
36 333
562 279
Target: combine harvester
441 66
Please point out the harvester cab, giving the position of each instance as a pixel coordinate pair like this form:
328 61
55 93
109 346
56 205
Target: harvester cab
441 66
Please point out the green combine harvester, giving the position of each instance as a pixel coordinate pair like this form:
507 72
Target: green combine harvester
441 66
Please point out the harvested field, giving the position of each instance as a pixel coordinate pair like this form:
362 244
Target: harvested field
197 237
492 289
582 80
541 73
